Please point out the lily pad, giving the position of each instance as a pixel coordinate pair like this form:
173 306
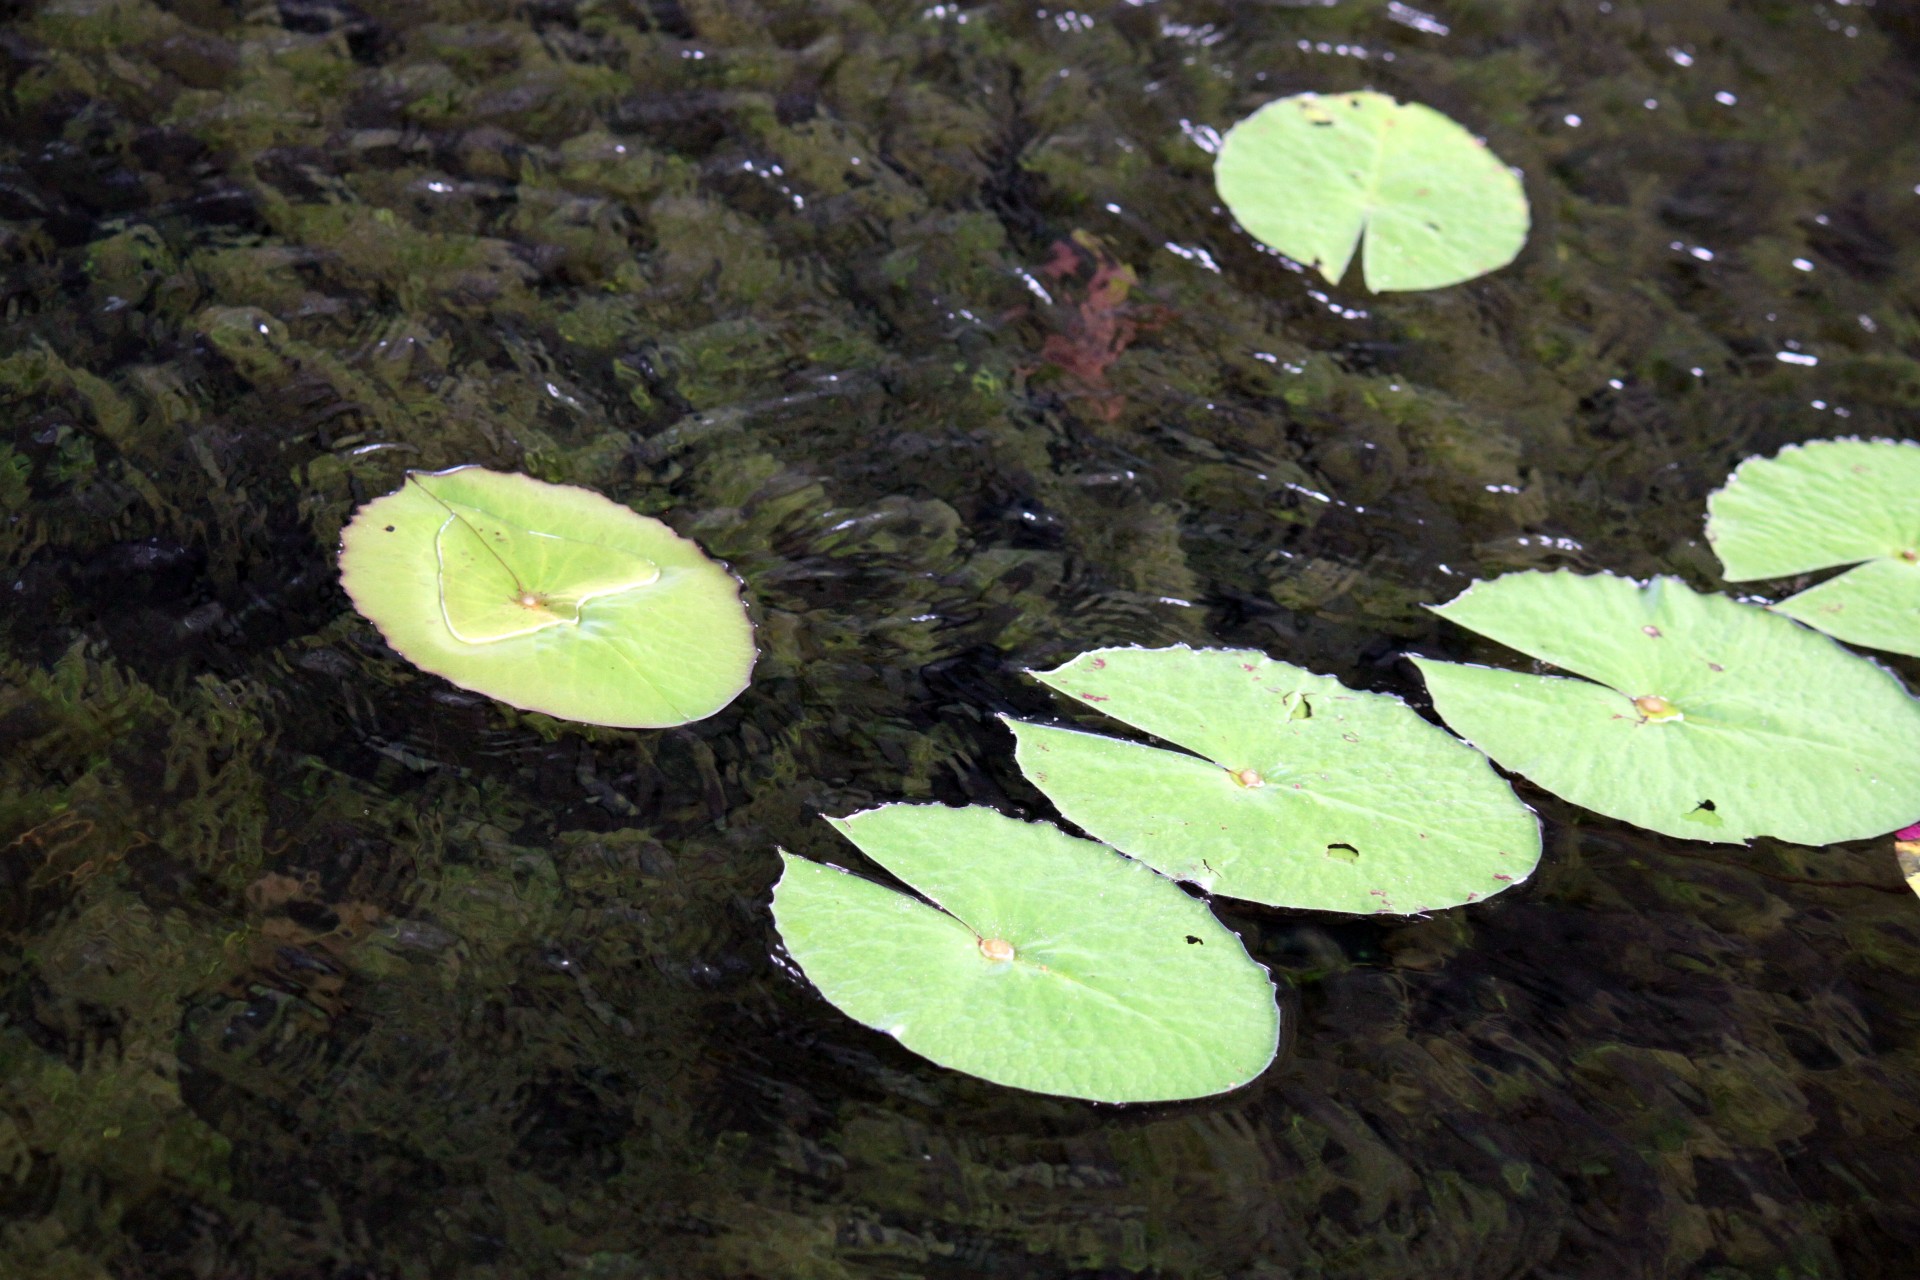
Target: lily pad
1303 793
1697 717
1312 174
1821 505
1037 959
549 598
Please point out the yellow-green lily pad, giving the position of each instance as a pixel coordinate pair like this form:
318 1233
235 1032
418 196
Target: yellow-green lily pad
1821 505
1293 789
548 597
1693 715
1318 175
1033 958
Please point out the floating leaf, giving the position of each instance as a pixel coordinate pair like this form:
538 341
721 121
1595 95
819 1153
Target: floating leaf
1046 962
1304 793
1824 504
1698 717
549 598
1310 174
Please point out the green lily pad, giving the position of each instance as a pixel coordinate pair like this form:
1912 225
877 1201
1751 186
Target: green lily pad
1698 716
1310 174
1303 793
1038 960
549 598
1821 505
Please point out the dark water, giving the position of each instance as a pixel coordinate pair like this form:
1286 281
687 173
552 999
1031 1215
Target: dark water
313 967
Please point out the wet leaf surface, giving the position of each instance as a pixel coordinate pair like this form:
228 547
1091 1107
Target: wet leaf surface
1300 791
1684 713
1036 959
548 597
1824 504
1423 202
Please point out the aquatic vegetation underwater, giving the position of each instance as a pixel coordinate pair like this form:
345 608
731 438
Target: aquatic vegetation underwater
311 964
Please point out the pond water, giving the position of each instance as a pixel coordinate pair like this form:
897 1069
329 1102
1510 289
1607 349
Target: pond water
312 966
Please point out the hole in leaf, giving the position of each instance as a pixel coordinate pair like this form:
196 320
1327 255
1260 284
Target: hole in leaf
1302 710
1706 814
1193 941
1343 851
